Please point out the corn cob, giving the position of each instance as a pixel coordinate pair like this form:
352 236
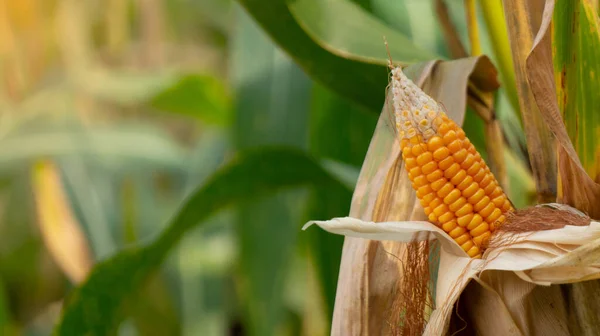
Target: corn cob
453 183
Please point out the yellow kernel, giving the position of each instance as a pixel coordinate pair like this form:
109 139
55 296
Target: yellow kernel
460 155
499 201
438 184
424 205
407 153
465 237
444 128
424 158
468 162
423 190
493 216
448 216
461 134
482 239
450 137
457 232
472 149
445 190
467 182
476 197
455 146
436 175
435 203
481 204
452 197
441 153
465 220
465 209
458 203
473 252
471 190
418 149
410 162
477 219
452 171
490 188
485 181
420 180
497 192
448 226
474 169
415 171
434 143
403 142
479 175
445 163
414 139
429 197
432 217
440 210
487 210
459 177
479 230
466 246
427 210
424 122
429 167
507 206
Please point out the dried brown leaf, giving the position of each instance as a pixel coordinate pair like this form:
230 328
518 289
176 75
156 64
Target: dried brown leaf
540 143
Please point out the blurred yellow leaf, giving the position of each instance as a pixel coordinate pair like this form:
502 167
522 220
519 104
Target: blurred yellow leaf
59 227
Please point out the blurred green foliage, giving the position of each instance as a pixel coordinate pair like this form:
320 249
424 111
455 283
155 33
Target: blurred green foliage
193 138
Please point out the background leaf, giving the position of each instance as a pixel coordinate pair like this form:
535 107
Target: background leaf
200 96
97 307
265 228
360 82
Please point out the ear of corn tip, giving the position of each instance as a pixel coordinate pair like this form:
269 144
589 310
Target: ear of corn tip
454 185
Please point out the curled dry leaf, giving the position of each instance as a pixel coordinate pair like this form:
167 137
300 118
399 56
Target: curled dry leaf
59 227
541 147
556 254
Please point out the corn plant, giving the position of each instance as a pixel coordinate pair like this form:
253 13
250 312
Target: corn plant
454 144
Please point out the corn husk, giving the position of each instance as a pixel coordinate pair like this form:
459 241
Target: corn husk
566 255
506 293
372 272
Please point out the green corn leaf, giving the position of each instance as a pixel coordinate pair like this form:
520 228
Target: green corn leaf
337 43
576 51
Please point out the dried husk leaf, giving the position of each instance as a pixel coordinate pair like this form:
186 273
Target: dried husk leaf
371 271
567 254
